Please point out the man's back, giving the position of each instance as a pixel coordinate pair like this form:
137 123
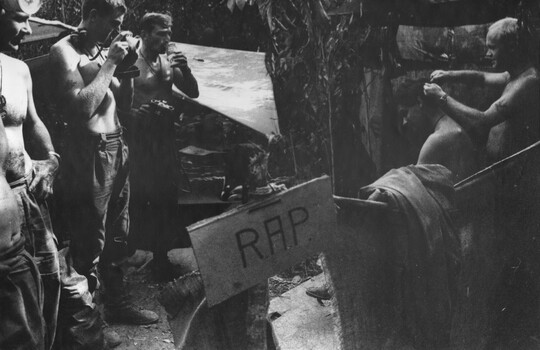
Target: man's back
451 147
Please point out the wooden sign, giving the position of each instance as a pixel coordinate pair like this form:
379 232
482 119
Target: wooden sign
245 246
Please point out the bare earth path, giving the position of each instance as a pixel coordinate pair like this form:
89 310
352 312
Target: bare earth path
151 337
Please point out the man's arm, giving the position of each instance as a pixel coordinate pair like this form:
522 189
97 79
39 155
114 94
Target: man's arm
81 99
123 93
471 77
40 146
183 79
186 82
481 121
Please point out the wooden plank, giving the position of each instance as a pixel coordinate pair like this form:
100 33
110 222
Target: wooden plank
300 322
248 244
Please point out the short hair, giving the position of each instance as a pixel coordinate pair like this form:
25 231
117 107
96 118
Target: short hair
152 19
507 31
103 7
409 91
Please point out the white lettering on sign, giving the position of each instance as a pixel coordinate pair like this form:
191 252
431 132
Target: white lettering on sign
248 244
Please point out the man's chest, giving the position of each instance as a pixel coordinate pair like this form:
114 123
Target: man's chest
153 79
16 97
89 68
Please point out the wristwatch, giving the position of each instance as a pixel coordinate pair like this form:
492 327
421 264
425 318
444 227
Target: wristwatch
444 98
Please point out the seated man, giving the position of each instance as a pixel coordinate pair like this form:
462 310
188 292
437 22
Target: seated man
510 126
440 139
436 137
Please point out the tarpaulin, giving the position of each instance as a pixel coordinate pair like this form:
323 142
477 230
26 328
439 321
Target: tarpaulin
442 44
446 13
234 83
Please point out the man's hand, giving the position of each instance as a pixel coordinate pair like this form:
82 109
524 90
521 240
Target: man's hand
142 112
178 60
433 91
44 174
119 48
439 76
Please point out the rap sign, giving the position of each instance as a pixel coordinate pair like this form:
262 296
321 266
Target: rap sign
245 246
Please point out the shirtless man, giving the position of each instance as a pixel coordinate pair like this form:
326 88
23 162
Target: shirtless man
159 72
440 139
21 295
511 122
152 162
21 319
96 155
31 180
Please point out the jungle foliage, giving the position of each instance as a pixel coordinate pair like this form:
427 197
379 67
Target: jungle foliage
315 63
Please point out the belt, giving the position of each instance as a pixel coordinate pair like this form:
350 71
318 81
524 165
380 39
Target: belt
24 180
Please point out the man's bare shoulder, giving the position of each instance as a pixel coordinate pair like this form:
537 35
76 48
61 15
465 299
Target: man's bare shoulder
449 136
63 50
527 79
15 65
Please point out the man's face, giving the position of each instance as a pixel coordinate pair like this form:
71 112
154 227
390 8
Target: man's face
158 39
107 25
497 52
14 26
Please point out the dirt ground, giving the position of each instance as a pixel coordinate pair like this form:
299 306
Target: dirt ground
151 337
145 290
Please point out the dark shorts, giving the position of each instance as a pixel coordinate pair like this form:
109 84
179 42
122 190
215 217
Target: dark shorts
41 245
21 301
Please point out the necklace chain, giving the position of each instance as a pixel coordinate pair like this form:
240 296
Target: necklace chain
156 73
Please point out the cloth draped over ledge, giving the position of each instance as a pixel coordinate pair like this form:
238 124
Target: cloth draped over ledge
425 251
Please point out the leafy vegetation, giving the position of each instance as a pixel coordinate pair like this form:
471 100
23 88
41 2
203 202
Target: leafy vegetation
315 61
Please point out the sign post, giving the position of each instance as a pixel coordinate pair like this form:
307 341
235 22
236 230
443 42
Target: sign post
245 246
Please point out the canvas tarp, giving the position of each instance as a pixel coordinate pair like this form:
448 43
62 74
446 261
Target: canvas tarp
429 12
442 44
234 83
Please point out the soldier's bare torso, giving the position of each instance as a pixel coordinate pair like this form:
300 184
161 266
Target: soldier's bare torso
15 80
521 128
13 156
154 82
104 119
